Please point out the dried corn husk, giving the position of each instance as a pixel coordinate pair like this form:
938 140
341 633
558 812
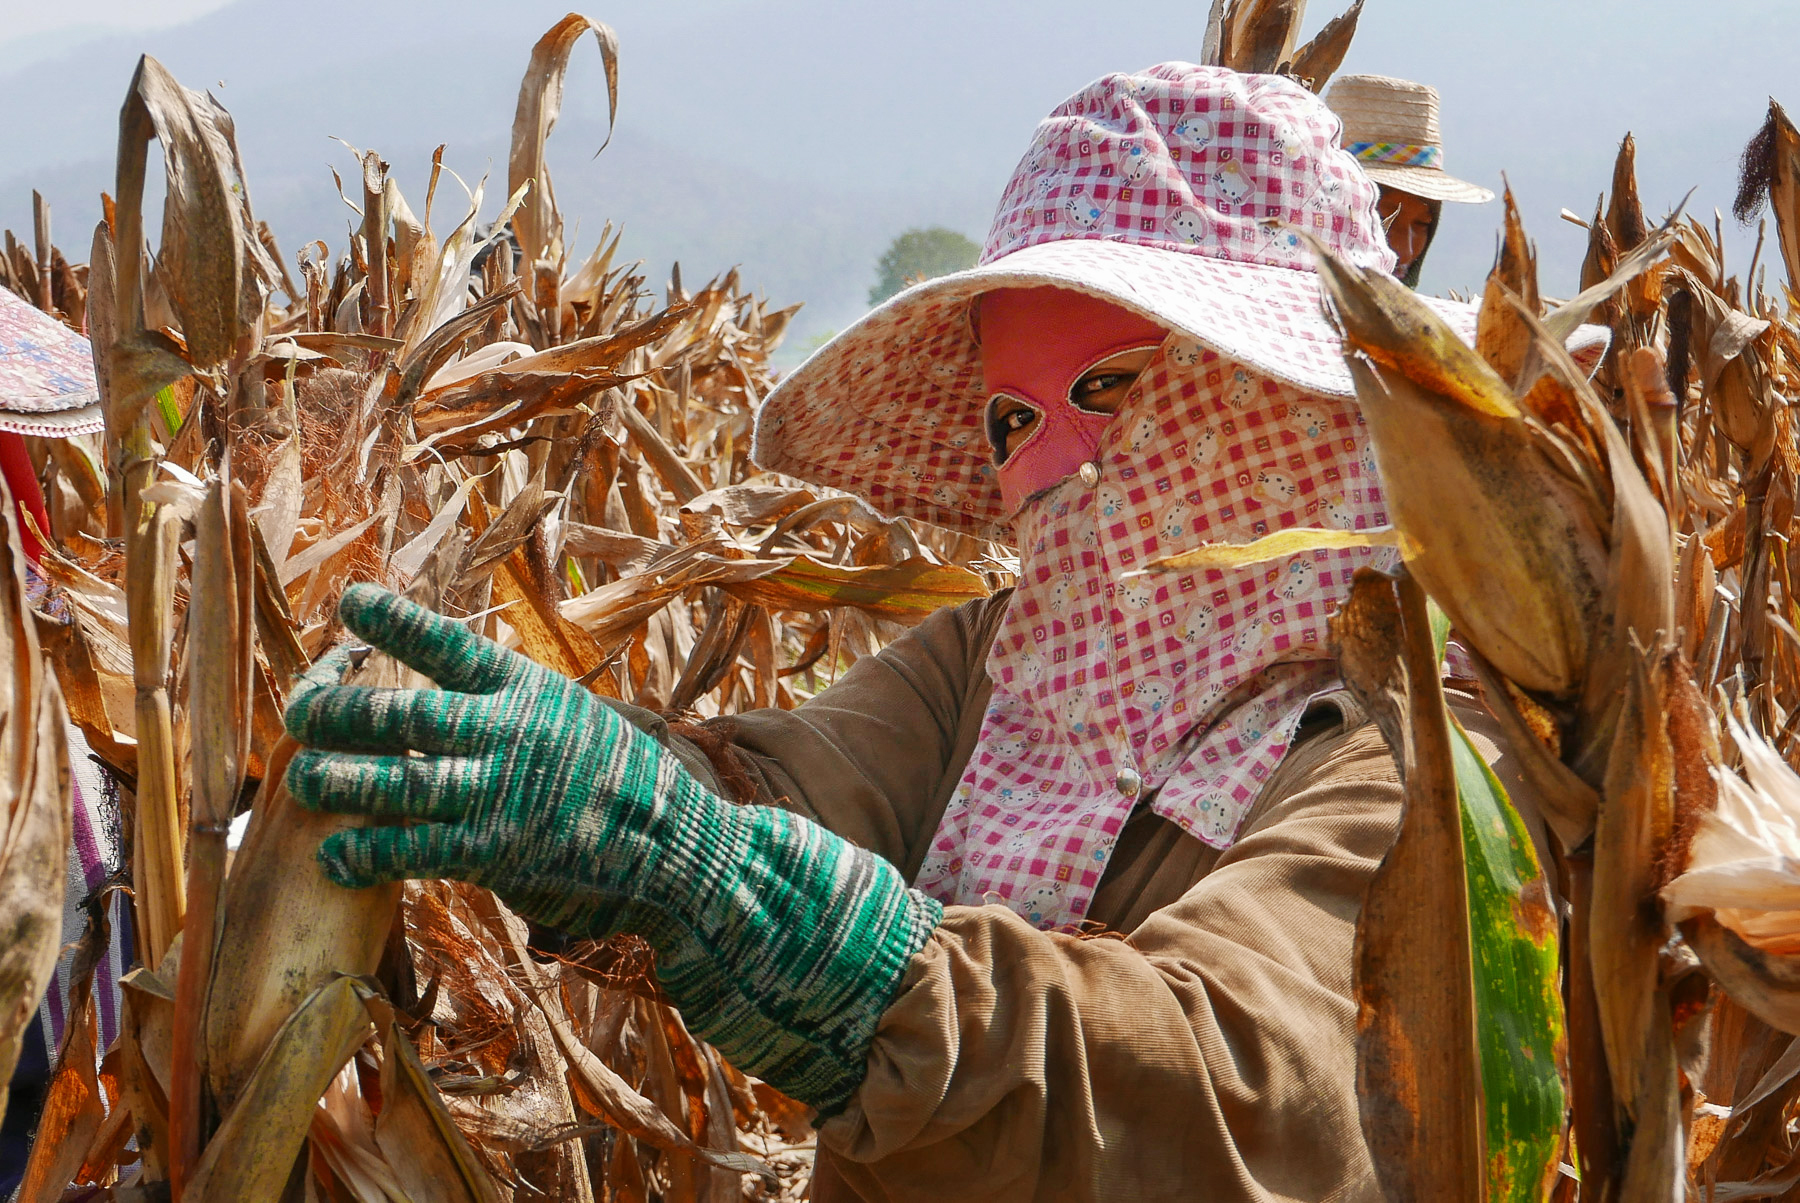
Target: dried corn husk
559 459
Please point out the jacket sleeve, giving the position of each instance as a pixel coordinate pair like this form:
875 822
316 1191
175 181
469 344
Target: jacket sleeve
1208 1056
875 757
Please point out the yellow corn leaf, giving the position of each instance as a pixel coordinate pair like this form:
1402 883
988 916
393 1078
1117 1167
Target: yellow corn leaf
1277 546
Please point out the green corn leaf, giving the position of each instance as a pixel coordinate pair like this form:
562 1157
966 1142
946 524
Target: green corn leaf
165 405
1518 998
1518 1004
1440 630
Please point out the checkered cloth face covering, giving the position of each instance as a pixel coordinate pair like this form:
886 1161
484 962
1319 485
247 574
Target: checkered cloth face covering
1185 688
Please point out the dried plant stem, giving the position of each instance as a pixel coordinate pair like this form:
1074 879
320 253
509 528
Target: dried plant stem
40 220
150 595
1754 605
375 225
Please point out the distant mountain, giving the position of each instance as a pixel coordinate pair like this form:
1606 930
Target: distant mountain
796 137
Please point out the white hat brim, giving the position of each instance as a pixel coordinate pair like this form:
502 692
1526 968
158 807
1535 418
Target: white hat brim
907 376
88 419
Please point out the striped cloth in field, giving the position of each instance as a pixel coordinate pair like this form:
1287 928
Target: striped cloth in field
96 852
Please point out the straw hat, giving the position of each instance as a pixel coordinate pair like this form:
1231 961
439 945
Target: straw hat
1391 127
1178 193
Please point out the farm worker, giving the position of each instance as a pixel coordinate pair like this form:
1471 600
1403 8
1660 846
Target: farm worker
1391 127
48 391
889 921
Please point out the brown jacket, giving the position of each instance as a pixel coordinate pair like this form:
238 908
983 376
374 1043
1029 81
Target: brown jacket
1207 1056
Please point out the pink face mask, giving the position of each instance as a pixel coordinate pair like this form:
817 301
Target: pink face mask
1036 343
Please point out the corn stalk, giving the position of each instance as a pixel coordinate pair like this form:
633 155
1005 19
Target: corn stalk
518 437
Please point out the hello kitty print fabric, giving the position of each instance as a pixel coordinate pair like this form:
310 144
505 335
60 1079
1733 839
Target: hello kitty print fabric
1186 688
1193 160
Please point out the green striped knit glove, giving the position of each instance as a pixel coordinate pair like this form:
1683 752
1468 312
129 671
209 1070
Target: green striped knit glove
781 943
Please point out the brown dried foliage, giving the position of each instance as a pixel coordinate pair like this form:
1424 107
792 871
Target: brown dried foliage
542 444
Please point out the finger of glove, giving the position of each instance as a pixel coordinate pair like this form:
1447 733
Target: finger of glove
370 856
395 787
355 718
326 672
441 648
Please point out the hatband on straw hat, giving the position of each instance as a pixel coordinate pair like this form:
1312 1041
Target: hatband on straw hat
1391 127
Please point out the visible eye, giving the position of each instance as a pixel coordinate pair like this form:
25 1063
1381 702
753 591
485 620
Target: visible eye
1006 418
1099 382
1104 387
1017 419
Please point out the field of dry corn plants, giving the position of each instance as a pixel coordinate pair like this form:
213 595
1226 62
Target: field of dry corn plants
557 450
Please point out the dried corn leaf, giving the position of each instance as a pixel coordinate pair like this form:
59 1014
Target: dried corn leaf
544 634
252 1154
905 593
1260 35
73 1112
620 1105
537 224
429 1154
1317 61
1418 1069
200 261
1626 937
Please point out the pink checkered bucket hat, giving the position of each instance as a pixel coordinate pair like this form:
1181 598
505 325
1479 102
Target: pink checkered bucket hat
46 374
1178 193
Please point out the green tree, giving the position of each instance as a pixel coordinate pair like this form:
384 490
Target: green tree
920 255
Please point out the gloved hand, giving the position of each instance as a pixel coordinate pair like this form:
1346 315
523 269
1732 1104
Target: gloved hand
781 943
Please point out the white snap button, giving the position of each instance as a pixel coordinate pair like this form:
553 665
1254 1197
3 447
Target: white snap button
1128 782
1089 473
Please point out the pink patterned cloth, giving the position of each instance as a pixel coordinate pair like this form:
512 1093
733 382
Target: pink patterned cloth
1178 194
1183 688
1201 161
46 374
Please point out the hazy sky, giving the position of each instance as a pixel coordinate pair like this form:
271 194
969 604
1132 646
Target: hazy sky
34 28
796 137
